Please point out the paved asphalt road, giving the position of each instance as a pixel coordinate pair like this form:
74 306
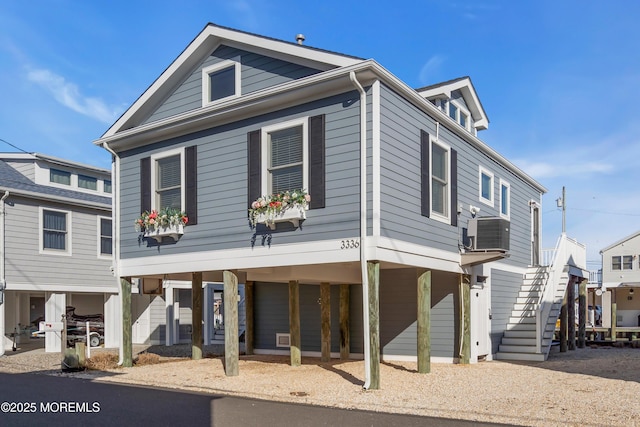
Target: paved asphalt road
43 400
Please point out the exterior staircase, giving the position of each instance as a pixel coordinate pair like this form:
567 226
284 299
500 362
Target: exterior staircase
520 339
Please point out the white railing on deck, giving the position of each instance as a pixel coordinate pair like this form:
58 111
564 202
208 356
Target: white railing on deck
567 251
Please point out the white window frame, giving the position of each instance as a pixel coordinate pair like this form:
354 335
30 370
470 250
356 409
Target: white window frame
69 238
460 110
99 235
265 143
206 81
447 204
505 184
490 200
81 175
154 176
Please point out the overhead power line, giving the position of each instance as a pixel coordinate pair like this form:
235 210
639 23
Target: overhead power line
14 146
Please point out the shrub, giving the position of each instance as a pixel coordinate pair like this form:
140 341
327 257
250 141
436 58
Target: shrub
146 359
102 361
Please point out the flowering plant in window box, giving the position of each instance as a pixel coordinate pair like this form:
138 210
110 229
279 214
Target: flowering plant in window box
288 206
166 222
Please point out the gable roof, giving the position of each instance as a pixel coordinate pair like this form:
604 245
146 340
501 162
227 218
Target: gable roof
464 85
206 42
619 242
13 181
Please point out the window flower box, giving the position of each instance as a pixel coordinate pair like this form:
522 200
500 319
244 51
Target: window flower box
156 225
290 206
174 231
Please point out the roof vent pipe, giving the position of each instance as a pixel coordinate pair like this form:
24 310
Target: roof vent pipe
300 38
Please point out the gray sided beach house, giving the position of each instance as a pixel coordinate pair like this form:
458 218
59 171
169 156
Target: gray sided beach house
415 243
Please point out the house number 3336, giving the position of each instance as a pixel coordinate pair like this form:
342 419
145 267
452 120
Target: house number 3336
349 244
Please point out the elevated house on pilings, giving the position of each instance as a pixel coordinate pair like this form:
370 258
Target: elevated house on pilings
412 244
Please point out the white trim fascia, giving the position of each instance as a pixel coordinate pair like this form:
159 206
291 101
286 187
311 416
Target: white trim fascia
265 145
49 197
68 238
154 181
376 143
205 43
400 252
61 287
482 170
206 81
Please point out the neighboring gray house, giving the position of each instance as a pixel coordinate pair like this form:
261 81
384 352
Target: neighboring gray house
399 185
621 281
55 245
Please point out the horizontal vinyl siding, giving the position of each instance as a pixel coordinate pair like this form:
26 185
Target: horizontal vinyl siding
257 72
271 313
25 167
222 184
504 291
398 313
400 184
24 262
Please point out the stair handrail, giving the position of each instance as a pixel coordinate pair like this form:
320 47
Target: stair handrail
545 302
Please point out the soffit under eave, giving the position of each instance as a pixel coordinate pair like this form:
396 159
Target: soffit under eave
201 47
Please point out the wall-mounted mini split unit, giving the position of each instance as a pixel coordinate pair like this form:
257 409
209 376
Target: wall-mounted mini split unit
489 233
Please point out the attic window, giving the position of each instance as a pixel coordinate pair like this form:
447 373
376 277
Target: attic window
220 81
459 115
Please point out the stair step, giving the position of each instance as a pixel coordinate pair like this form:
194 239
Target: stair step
536 357
526 305
521 327
517 319
506 341
517 348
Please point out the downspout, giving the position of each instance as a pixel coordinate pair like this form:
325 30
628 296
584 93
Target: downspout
363 229
2 272
115 227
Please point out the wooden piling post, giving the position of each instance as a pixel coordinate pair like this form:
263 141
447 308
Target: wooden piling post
325 321
231 350
465 319
345 337
248 304
582 314
424 322
127 344
197 337
373 273
571 314
294 323
81 353
614 319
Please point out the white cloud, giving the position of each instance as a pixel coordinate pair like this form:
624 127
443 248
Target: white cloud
68 94
430 68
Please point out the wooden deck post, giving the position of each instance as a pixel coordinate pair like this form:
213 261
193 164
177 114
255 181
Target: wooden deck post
373 273
465 318
294 322
345 337
571 314
127 343
563 322
248 305
230 296
325 321
424 322
582 314
614 317
197 337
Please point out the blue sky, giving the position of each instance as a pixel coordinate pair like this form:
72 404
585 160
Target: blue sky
559 81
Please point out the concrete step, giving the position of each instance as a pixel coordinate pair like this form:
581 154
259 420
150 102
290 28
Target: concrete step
536 357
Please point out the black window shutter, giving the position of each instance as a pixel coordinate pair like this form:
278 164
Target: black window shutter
425 179
316 162
254 183
454 187
191 189
145 184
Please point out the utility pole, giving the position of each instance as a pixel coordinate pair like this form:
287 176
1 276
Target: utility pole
562 203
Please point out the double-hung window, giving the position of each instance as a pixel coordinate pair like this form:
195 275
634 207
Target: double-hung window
55 231
168 178
285 157
486 186
220 81
440 178
624 262
105 237
505 199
